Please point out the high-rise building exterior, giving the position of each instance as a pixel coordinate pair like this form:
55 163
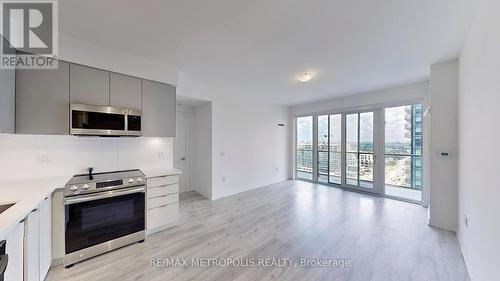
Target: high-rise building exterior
413 126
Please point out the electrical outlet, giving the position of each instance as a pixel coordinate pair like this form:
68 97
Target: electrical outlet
223 178
160 154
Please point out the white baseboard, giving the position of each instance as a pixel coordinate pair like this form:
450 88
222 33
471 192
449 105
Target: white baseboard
466 259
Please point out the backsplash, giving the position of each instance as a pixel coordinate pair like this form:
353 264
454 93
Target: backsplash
35 156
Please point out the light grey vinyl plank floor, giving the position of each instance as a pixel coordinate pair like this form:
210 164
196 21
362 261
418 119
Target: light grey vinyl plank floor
383 240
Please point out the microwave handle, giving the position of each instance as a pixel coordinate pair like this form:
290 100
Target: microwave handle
109 194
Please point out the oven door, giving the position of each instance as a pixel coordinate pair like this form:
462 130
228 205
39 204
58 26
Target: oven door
103 217
97 120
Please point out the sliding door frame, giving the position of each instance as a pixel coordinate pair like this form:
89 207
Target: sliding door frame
378 150
377 189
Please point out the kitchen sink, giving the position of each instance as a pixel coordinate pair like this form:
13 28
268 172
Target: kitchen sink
4 208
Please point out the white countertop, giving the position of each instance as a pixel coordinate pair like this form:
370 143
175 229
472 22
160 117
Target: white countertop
152 173
27 194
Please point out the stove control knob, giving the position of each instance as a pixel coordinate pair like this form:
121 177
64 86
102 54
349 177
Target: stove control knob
85 186
139 180
130 180
74 188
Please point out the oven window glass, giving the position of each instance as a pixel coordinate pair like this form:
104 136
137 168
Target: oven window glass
94 222
134 123
97 120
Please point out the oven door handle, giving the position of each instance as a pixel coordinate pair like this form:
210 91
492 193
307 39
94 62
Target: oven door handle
104 195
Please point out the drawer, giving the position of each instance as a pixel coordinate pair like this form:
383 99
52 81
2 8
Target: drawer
162 200
162 190
153 182
161 216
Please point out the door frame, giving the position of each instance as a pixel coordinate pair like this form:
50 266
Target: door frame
187 145
379 135
378 188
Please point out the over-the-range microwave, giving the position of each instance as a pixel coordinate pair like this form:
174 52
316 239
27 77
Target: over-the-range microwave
92 120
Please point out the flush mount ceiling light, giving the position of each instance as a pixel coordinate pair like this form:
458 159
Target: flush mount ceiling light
304 77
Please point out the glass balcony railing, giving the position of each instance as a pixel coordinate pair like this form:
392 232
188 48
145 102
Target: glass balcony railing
305 162
403 170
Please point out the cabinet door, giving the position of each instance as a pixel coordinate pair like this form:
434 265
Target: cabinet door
45 239
164 216
42 100
89 85
31 246
7 100
158 109
14 249
125 91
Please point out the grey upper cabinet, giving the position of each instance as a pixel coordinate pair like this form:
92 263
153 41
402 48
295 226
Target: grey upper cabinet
125 91
7 100
42 100
158 109
89 85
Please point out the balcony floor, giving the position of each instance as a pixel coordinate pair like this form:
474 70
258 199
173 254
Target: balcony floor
404 193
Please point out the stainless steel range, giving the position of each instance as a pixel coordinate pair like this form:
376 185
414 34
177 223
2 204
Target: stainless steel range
103 212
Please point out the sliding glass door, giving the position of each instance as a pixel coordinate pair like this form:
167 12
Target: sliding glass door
360 150
329 168
403 152
304 157
342 149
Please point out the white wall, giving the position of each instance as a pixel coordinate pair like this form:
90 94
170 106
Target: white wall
444 138
73 50
386 96
479 157
30 156
201 150
250 150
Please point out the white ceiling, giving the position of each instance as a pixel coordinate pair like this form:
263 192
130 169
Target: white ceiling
256 47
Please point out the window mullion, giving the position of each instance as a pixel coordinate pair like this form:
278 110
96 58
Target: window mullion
359 145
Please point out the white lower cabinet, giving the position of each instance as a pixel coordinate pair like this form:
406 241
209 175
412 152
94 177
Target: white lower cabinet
15 241
162 203
45 240
29 245
38 242
163 216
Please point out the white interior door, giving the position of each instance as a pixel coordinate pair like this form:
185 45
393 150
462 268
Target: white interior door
180 150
